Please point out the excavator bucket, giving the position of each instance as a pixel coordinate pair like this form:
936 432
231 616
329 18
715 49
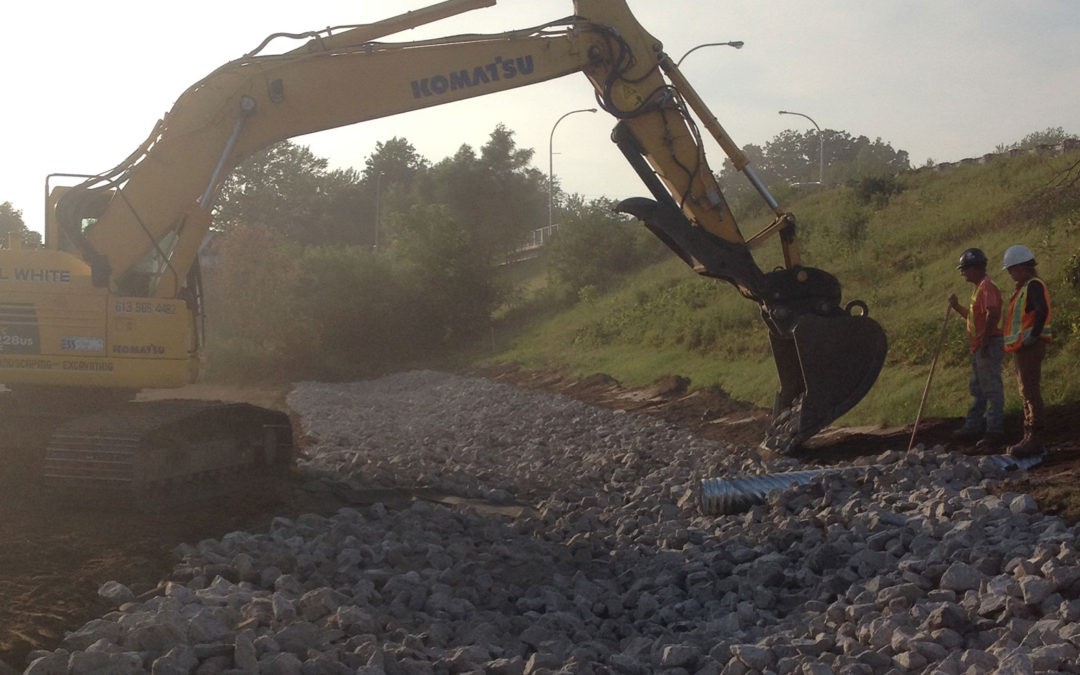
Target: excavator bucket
827 357
826 366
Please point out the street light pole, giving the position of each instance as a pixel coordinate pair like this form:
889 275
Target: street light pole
378 216
737 44
551 164
821 145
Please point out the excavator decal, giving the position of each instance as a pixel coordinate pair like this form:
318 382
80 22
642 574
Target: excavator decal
97 366
441 84
82 344
18 329
42 276
26 364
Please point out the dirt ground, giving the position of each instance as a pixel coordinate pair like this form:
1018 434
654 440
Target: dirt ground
54 557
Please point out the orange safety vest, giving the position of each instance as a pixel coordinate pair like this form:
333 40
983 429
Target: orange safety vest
992 331
1021 321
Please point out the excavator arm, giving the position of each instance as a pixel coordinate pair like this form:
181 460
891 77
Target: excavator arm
139 226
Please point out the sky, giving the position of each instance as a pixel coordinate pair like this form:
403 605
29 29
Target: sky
84 83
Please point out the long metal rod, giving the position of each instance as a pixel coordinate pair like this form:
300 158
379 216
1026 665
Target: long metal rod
926 389
760 187
397 24
821 145
247 107
738 158
551 163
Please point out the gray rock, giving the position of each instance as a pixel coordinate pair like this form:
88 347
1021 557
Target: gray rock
754 657
115 593
54 663
511 666
961 577
157 636
979 660
1053 657
245 657
907 561
179 660
299 637
680 656
104 663
91 632
281 664
318 603
1016 662
1034 589
1023 504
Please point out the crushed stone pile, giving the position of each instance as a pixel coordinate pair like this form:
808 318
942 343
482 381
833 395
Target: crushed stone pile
910 563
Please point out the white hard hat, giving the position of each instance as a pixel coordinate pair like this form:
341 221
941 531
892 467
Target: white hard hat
1017 255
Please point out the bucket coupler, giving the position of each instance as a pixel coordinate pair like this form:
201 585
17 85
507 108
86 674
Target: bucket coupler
827 356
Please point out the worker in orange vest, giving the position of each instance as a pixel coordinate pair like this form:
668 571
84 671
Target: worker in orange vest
1027 332
986 417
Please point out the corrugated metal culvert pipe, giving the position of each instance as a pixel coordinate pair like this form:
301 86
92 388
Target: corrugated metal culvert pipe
721 496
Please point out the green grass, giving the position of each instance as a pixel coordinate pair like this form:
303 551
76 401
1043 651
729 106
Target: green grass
899 256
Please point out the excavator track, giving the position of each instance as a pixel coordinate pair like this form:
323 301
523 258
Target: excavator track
158 454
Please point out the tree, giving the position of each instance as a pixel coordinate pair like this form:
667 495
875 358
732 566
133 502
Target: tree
388 177
445 227
862 158
793 157
251 291
497 195
595 245
352 298
1050 136
453 284
11 222
396 160
286 188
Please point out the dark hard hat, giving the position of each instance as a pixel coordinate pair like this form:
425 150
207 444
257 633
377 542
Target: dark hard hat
973 257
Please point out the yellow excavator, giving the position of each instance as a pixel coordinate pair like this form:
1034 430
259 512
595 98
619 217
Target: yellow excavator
113 302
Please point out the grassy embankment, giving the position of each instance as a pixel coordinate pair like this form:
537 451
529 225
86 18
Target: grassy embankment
897 251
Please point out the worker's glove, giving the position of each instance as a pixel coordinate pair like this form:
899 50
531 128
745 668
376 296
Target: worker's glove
1030 340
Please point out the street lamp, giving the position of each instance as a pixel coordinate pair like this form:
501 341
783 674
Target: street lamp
737 44
551 164
821 145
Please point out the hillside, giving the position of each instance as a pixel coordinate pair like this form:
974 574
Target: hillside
893 244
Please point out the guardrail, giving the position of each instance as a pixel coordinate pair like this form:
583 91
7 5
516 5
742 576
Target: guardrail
531 246
1066 145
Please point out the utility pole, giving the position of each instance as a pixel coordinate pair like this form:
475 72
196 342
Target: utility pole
551 165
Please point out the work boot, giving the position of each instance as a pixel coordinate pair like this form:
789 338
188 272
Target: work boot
1030 446
967 434
990 441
